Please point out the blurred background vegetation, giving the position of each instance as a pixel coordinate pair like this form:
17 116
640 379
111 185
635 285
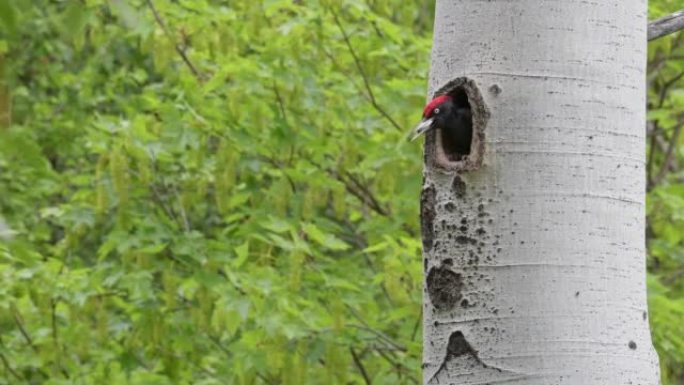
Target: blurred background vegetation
220 192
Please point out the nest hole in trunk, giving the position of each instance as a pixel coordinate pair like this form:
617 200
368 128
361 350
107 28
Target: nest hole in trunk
464 150
456 145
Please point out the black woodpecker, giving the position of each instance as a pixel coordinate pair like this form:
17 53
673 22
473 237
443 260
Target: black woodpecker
453 118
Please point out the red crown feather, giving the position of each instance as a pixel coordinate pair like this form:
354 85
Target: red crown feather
434 103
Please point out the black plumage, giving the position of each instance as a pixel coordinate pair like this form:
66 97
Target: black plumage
451 116
455 122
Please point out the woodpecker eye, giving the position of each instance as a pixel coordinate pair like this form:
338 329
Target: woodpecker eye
436 111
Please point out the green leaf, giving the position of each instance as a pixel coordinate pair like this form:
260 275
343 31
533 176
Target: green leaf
242 253
326 240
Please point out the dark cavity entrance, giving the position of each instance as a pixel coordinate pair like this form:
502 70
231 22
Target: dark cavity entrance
457 137
461 146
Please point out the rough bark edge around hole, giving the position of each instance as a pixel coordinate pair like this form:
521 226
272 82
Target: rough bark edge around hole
434 153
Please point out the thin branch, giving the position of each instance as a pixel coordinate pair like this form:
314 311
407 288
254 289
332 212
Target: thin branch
397 365
281 103
373 202
158 199
666 25
352 187
366 82
415 327
18 320
220 346
181 209
359 365
179 49
651 157
55 333
223 274
662 145
666 87
360 196
661 59
674 276
22 330
654 131
668 155
381 336
9 367
346 75
382 285
364 326
280 166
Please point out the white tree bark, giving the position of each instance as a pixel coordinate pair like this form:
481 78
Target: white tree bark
534 254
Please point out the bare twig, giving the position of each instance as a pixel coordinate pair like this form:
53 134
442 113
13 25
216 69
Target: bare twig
657 138
181 209
364 326
360 196
674 276
366 82
662 143
415 327
353 187
669 155
55 332
220 346
157 198
346 75
382 337
18 321
359 365
661 59
666 25
363 189
397 365
281 103
223 274
9 367
6 362
651 156
179 49
666 87
280 166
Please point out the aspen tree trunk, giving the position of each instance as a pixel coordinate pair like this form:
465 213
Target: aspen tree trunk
534 242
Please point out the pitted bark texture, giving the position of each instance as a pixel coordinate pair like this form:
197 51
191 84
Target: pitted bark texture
427 216
534 244
444 287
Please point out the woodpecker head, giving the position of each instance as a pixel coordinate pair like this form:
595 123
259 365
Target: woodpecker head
435 115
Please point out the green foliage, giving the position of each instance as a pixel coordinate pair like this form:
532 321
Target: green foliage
665 199
210 192
204 192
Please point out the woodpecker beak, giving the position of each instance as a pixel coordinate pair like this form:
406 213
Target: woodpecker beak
421 128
